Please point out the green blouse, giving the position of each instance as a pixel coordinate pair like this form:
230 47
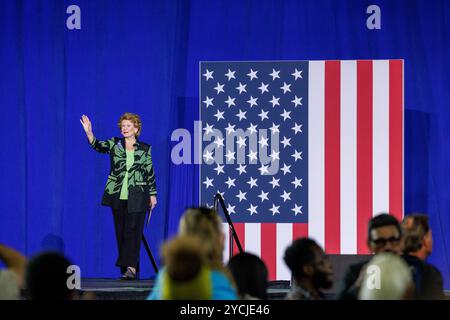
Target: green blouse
124 190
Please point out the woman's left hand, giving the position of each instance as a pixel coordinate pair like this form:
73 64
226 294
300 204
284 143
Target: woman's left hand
153 202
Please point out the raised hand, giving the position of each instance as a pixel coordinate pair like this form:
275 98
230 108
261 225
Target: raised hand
86 123
87 126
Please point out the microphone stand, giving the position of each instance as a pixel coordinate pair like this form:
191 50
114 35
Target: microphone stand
147 248
219 199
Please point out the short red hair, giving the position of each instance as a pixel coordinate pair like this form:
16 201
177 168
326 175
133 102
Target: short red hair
134 118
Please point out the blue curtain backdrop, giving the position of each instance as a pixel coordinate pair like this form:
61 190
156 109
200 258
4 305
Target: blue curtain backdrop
143 56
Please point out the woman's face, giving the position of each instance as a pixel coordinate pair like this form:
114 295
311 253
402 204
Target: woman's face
128 129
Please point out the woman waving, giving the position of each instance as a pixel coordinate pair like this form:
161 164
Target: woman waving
130 189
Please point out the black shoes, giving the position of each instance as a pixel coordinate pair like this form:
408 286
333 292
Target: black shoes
128 275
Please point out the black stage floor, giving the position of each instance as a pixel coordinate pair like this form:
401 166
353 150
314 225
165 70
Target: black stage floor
111 289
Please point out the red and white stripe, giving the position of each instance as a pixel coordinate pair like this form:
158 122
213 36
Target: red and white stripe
355 154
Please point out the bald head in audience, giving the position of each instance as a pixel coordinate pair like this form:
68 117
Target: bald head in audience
387 277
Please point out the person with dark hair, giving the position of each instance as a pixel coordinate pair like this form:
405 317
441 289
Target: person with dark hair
250 274
311 270
418 246
384 234
46 277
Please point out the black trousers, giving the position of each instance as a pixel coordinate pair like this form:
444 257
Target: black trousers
129 228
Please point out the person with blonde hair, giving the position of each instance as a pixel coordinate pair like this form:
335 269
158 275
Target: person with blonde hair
130 189
205 225
12 277
187 274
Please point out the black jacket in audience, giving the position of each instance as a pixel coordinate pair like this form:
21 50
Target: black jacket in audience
427 279
347 290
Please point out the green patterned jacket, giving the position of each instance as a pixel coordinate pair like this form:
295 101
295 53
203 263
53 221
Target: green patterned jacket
141 176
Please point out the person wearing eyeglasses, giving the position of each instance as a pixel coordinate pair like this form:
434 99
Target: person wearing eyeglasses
384 235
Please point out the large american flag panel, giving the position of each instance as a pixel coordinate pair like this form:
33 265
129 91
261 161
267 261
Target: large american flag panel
302 148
